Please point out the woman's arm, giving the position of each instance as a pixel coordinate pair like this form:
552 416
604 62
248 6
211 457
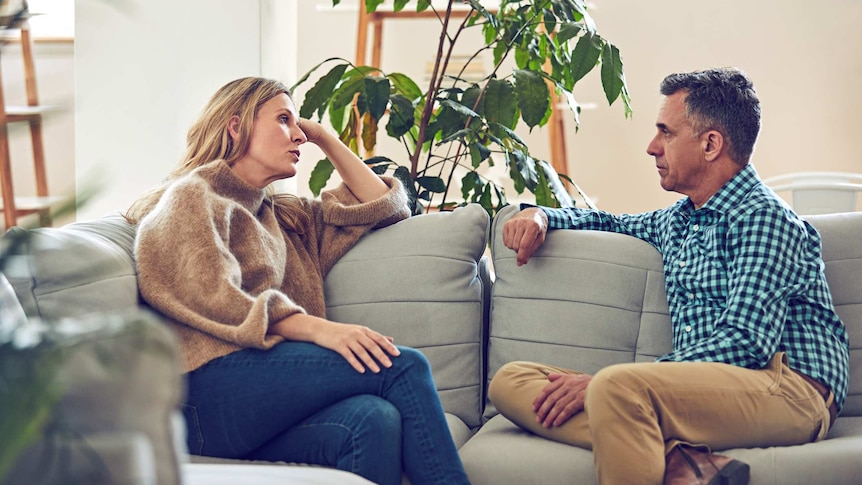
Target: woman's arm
358 177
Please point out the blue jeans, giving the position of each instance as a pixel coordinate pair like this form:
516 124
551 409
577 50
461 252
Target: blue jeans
299 402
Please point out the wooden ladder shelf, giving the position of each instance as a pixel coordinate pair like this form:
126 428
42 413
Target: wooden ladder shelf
12 206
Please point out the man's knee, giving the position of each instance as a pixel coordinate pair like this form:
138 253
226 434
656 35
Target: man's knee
512 376
615 383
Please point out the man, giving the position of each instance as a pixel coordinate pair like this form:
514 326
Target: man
759 357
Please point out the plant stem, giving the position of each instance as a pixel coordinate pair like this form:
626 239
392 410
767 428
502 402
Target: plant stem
433 87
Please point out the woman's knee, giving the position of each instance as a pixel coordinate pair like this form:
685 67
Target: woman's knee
375 417
412 360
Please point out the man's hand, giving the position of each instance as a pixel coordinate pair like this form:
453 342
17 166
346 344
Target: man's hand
561 399
525 232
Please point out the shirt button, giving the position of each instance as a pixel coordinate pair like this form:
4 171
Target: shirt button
688 328
690 296
696 227
682 264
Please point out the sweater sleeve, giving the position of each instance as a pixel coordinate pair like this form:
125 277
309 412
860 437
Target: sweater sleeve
195 254
341 219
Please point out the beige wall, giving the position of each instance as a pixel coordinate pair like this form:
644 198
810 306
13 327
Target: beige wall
805 59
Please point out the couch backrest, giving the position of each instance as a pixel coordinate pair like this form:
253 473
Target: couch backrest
589 299
81 268
842 254
424 282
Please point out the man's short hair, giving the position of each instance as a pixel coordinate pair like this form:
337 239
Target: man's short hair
721 99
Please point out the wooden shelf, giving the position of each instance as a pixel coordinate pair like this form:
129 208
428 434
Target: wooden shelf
13 206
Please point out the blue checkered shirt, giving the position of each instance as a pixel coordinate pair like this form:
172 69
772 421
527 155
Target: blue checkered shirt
744 279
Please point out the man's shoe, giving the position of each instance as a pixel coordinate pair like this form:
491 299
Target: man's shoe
689 466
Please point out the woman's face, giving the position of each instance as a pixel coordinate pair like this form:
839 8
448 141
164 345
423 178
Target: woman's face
273 149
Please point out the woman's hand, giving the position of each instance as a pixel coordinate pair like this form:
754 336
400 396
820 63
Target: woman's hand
362 181
359 345
313 130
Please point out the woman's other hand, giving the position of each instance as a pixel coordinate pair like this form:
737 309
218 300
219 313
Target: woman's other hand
362 347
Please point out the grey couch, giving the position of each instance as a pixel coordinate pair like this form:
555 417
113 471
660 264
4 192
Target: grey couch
586 300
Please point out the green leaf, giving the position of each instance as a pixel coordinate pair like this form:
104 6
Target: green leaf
377 95
432 184
533 95
343 96
515 173
459 108
613 79
308 73
406 86
555 185
319 95
485 199
478 154
422 5
399 5
585 56
568 30
400 116
371 5
403 175
470 99
542 192
500 104
627 101
320 175
469 183
506 131
458 135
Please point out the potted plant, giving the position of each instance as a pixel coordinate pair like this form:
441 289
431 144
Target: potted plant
456 128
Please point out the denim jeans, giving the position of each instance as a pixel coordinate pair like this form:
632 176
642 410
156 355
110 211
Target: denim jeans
299 402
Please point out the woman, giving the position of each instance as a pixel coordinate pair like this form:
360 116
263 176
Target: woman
240 272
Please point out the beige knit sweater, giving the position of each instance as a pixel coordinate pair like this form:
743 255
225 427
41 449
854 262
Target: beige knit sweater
213 258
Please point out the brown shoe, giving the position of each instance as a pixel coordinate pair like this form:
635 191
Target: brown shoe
690 466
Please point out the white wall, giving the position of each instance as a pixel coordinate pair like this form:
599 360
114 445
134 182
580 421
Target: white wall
143 73
805 60
143 70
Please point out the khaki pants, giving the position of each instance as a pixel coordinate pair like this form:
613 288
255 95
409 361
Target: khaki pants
636 413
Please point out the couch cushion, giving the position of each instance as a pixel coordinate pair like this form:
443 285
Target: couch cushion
842 254
503 453
420 282
81 268
585 300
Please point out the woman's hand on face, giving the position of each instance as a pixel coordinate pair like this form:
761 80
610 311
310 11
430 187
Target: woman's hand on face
313 130
359 345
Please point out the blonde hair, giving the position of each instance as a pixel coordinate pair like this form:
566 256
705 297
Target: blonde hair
209 140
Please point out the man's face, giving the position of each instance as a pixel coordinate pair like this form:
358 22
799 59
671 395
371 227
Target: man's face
677 148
